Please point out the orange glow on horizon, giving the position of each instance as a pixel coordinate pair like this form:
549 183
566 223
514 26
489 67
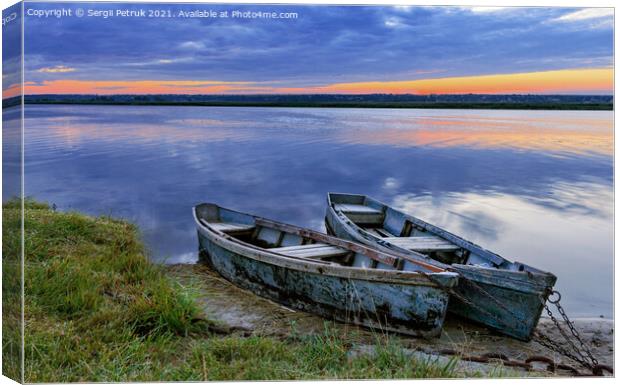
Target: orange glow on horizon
597 80
11 91
561 81
106 87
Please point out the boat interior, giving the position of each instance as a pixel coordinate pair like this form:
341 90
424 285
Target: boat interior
388 225
403 231
293 242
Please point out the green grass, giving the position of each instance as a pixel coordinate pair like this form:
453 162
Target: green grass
97 310
11 292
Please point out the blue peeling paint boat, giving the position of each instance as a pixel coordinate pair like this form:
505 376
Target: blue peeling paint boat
331 277
503 295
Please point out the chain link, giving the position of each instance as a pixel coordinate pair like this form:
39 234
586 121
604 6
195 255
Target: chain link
582 359
576 334
589 362
527 364
550 344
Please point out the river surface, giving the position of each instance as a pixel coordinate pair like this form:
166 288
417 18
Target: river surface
535 186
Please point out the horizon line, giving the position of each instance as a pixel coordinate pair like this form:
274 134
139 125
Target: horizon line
318 94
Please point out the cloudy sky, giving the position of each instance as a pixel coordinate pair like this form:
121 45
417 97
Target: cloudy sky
325 49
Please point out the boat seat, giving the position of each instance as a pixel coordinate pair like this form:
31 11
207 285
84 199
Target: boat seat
361 214
381 233
229 227
358 209
312 251
422 243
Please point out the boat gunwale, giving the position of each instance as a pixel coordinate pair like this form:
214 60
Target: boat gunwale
316 267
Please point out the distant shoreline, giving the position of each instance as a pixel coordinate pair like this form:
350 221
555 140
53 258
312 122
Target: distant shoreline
457 106
468 101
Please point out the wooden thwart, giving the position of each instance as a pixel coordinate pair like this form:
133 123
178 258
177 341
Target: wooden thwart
230 227
358 209
379 232
426 243
313 251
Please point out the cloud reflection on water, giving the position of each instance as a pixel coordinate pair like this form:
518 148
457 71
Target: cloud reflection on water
565 132
560 233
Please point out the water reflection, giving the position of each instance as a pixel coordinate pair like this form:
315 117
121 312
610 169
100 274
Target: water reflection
572 142
567 132
558 132
152 164
557 236
11 152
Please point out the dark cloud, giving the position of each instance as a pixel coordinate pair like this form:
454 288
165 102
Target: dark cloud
11 47
324 44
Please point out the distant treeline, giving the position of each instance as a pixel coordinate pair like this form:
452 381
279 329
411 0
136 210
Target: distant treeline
10 102
476 101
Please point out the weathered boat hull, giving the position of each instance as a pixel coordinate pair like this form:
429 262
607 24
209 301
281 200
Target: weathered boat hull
509 302
511 311
408 309
413 308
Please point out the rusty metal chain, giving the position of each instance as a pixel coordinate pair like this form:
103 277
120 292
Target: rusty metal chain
584 348
526 364
550 344
558 348
545 340
575 333
590 362
552 366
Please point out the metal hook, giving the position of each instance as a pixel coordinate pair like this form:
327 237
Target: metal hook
554 301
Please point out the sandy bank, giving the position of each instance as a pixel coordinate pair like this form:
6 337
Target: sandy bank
246 313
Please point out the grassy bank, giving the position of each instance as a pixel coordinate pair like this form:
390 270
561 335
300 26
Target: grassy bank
97 310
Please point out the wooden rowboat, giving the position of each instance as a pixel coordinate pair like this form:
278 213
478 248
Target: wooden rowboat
314 272
503 295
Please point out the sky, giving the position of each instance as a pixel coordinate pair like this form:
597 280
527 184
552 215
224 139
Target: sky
325 49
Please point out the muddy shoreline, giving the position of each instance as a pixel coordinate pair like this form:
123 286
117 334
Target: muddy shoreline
240 311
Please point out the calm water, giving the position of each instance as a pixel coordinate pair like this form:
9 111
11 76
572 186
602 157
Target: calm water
535 186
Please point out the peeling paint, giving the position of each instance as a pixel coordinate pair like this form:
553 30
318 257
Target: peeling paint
402 308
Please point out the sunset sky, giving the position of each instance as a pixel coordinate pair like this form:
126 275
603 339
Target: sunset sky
326 49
